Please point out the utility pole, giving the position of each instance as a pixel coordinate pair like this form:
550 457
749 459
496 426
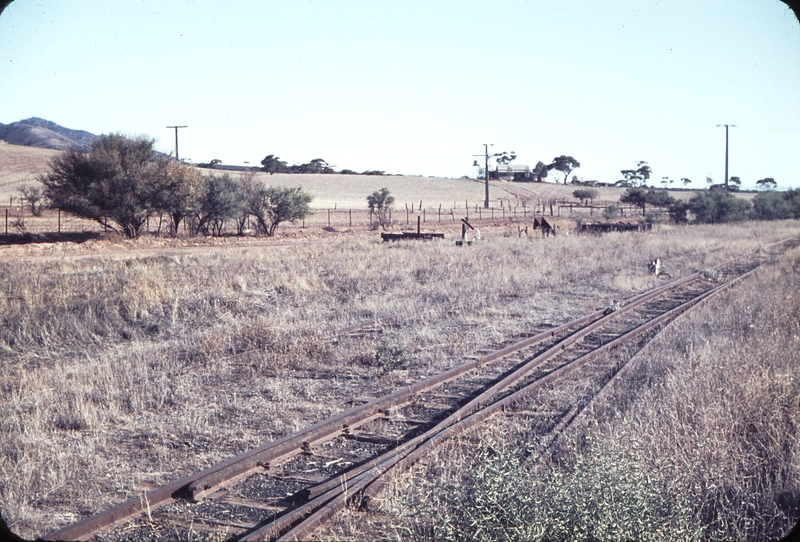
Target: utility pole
486 175
506 157
177 158
726 152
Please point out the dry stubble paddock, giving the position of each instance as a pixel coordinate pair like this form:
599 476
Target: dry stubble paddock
120 375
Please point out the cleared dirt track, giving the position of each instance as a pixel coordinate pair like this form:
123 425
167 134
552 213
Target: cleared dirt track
287 488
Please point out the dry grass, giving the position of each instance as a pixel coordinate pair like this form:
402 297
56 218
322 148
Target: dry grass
120 373
20 165
702 443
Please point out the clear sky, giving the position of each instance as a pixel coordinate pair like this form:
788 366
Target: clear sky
417 87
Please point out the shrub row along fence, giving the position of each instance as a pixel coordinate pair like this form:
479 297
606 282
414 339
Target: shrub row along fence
19 220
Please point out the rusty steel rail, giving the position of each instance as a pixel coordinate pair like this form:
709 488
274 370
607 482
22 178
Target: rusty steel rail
579 418
199 484
369 481
322 497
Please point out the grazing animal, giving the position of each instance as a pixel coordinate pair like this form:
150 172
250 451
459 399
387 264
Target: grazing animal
541 223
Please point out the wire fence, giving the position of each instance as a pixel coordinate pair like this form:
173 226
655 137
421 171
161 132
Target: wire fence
18 219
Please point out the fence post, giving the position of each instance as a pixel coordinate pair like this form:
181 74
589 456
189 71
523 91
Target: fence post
329 218
59 221
351 217
407 213
423 215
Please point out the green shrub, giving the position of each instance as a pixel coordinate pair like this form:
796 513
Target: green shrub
117 183
715 206
611 212
777 205
390 355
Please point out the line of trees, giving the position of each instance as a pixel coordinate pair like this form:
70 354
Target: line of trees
717 206
122 183
273 164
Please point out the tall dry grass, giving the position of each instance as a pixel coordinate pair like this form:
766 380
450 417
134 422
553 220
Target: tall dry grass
121 374
701 443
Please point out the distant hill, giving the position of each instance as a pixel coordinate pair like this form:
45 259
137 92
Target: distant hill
36 132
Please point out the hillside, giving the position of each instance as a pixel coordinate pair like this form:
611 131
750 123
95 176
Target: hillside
20 165
37 132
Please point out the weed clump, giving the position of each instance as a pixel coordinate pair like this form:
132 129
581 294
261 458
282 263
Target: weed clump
390 355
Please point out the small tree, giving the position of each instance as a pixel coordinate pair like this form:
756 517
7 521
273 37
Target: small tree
273 164
564 164
635 196
678 211
33 197
777 205
734 184
636 177
184 188
767 184
686 182
270 206
222 200
715 206
540 171
117 184
380 202
659 198
584 194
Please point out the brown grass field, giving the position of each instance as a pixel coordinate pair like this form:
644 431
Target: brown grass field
119 372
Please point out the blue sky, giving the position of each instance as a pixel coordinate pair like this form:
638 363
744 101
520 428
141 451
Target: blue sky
417 87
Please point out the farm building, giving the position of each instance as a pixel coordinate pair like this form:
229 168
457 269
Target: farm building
517 172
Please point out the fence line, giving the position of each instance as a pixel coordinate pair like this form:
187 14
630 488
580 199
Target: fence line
19 219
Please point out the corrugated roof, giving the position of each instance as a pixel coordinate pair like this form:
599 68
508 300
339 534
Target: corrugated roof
513 168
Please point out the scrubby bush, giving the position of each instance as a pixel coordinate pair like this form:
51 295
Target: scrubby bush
118 183
32 197
611 212
380 202
185 186
584 194
777 205
390 355
715 206
223 199
270 206
678 211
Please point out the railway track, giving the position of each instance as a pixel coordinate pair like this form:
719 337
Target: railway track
286 489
